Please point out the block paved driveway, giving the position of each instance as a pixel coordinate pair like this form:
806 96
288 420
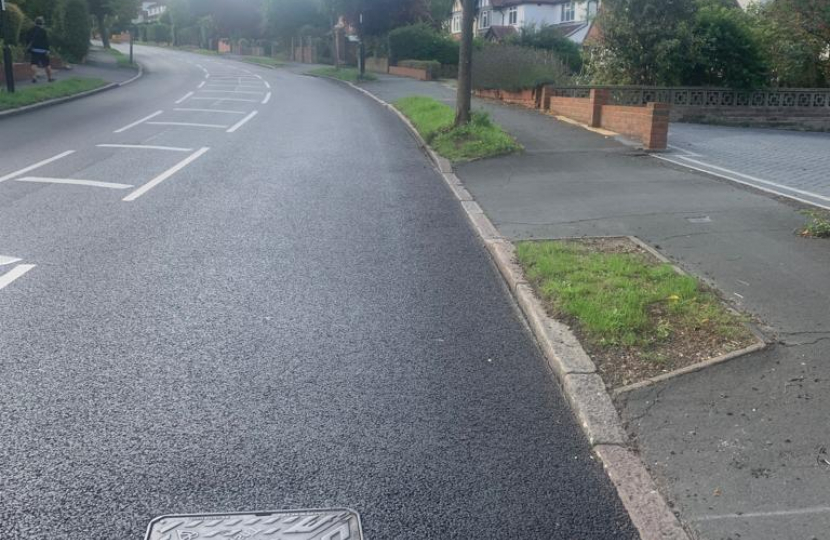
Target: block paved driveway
789 163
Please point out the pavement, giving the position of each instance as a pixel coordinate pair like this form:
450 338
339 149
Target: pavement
739 449
231 288
98 65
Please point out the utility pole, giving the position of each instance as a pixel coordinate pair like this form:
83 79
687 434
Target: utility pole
7 50
361 49
465 64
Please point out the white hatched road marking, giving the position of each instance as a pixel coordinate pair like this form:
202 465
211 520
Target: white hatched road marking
146 147
137 122
201 84
225 111
15 273
226 99
232 91
266 84
165 175
242 122
73 181
184 97
267 98
5 259
36 165
187 124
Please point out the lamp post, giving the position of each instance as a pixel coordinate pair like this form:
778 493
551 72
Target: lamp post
7 50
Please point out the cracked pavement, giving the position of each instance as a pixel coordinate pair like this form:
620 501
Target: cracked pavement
734 447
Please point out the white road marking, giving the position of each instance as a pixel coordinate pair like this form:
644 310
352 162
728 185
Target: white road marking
36 165
231 91
685 152
73 181
267 98
201 84
227 99
165 175
775 513
241 122
128 126
209 110
184 97
146 147
266 84
17 272
5 259
187 124
257 76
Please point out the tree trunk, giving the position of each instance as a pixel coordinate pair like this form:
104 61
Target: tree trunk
465 64
102 29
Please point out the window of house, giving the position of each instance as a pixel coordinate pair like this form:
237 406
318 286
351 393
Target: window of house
568 12
484 19
456 24
513 15
592 8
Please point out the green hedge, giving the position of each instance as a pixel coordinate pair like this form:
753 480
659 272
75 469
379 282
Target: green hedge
514 68
72 38
158 33
13 22
421 42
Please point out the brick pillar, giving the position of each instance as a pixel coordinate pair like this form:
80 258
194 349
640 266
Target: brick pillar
657 136
599 97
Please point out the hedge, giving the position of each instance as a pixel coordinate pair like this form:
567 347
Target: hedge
421 42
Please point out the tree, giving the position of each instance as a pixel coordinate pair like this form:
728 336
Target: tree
283 18
465 64
73 33
380 16
550 38
117 10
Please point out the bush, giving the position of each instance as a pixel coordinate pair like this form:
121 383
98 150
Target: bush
514 68
549 38
431 66
158 33
188 36
421 42
12 23
72 38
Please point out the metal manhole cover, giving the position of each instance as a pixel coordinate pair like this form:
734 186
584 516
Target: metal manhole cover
330 524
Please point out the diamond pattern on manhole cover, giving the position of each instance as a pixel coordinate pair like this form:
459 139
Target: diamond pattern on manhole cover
333 524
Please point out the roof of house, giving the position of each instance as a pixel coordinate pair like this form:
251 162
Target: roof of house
498 33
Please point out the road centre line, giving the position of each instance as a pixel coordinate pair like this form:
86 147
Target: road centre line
226 99
186 124
17 272
146 147
36 165
267 98
184 97
241 122
73 181
222 111
232 91
165 175
137 122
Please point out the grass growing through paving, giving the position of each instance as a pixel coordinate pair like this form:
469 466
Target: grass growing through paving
434 121
629 308
344 74
819 224
44 92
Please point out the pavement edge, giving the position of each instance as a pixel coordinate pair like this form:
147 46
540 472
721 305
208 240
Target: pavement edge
576 372
73 97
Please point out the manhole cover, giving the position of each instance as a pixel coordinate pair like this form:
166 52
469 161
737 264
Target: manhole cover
334 524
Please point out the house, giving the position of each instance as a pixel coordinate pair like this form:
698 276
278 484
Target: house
496 19
150 12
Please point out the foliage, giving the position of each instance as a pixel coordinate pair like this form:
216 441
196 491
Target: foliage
344 74
381 16
37 93
440 11
159 33
12 23
480 138
550 38
284 18
819 224
514 68
72 36
421 42
725 50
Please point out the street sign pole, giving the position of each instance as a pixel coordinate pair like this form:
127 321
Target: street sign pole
132 34
7 50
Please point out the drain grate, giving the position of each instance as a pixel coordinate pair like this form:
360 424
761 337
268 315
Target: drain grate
328 524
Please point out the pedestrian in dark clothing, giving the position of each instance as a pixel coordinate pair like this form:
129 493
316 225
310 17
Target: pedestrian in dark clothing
38 47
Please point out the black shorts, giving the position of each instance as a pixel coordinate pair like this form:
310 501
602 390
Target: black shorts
40 59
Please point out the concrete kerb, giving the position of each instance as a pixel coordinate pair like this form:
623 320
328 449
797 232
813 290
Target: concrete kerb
73 97
575 370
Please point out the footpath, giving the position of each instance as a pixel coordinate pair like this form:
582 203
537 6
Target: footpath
740 449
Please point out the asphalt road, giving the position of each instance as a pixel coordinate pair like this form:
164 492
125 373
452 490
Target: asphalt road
290 314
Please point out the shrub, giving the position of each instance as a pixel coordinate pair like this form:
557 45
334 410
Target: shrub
158 32
12 23
549 38
514 68
72 38
431 66
421 42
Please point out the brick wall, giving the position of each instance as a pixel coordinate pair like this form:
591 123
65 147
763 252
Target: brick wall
525 98
22 72
579 109
413 73
377 65
649 124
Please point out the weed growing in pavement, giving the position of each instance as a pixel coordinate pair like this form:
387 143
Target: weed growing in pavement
819 224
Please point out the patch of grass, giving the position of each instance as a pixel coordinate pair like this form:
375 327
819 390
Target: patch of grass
351 75
263 61
480 138
44 92
122 59
819 224
623 299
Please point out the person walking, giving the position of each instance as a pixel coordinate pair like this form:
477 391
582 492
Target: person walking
38 47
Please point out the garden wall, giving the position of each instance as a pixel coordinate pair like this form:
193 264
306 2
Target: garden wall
22 72
413 73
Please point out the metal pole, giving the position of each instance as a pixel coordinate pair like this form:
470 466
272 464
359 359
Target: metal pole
362 50
7 50
132 36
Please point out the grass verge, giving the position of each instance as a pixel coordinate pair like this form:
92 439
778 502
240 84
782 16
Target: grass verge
37 93
637 317
122 59
263 61
480 138
351 75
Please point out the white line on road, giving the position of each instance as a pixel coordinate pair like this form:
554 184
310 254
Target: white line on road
231 91
73 181
35 166
257 76
775 513
267 98
165 175
137 122
266 84
226 99
187 124
190 109
201 84
184 97
5 259
241 122
146 147
17 272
